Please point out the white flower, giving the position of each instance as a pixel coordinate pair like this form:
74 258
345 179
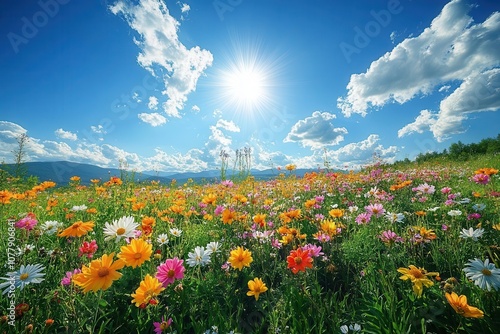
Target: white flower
434 209
32 273
479 207
353 208
454 213
26 249
213 247
395 217
82 207
121 228
50 227
485 275
464 201
175 232
471 233
162 239
199 257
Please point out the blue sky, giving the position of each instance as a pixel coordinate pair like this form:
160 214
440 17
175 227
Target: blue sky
167 85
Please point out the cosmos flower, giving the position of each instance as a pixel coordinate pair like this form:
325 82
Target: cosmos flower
162 326
299 260
148 289
419 278
485 275
99 274
66 280
169 271
78 229
240 258
27 223
50 227
256 287
376 209
471 233
213 247
199 257
162 239
122 228
459 304
88 249
31 273
176 232
136 253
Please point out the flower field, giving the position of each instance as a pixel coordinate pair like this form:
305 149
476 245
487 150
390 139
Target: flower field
408 249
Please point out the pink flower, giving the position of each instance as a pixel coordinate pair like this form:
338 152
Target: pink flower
218 210
160 327
27 223
376 209
445 190
67 279
314 250
473 216
88 248
169 271
363 218
390 237
481 178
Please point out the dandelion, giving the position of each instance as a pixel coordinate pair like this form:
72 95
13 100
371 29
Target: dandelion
124 227
199 257
419 278
471 233
171 270
88 249
100 274
31 273
485 275
162 326
256 287
136 253
240 258
175 232
148 289
78 229
299 260
162 239
459 304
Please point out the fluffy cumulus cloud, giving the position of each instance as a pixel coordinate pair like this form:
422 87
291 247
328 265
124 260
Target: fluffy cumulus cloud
422 123
154 119
452 48
227 125
316 131
153 103
162 54
60 133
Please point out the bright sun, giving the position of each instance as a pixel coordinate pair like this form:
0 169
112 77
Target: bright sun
247 85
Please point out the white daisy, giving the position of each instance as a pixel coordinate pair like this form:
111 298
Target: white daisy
485 275
213 247
175 232
121 228
50 227
454 213
199 257
82 207
32 273
471 233
162 239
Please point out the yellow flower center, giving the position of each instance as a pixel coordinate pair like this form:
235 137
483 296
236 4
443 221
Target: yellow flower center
416 273
103 272
486 272
120 231
171 273
23 276
137 256
298 260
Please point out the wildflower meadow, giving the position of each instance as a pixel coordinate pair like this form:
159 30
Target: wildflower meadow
408 248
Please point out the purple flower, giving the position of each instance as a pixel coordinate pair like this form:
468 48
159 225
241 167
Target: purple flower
314 250
67 279
390 237
162 326
363 218
27 223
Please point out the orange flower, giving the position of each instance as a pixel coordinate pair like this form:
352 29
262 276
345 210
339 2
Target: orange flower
240 258
419 277
148 289
100 274
77 229
336 213
5 196
228 216
75 178
210 199
256 287
260 219
299 260
136 253
459 304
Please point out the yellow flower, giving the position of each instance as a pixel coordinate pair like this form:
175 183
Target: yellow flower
149 288
240 258
459 304
336 213
100 274
77 229
419 278
496 227
136 253
256 287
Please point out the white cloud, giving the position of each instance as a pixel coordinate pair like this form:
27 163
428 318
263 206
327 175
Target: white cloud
154 119
98 129
452 48
444 88
195 108
477 93
153 103
422 123
60 133
227 125
316 131
162 53
185 7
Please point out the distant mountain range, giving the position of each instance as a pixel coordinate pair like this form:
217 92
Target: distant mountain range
61 171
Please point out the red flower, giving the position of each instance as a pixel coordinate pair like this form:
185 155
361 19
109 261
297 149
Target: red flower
299 260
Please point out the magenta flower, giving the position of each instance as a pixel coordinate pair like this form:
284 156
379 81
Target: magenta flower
446 190
314 250
218 210
389 237
88 249
363 218
27 223
376 209
473 216
67 279
162 326
169 271
481 178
